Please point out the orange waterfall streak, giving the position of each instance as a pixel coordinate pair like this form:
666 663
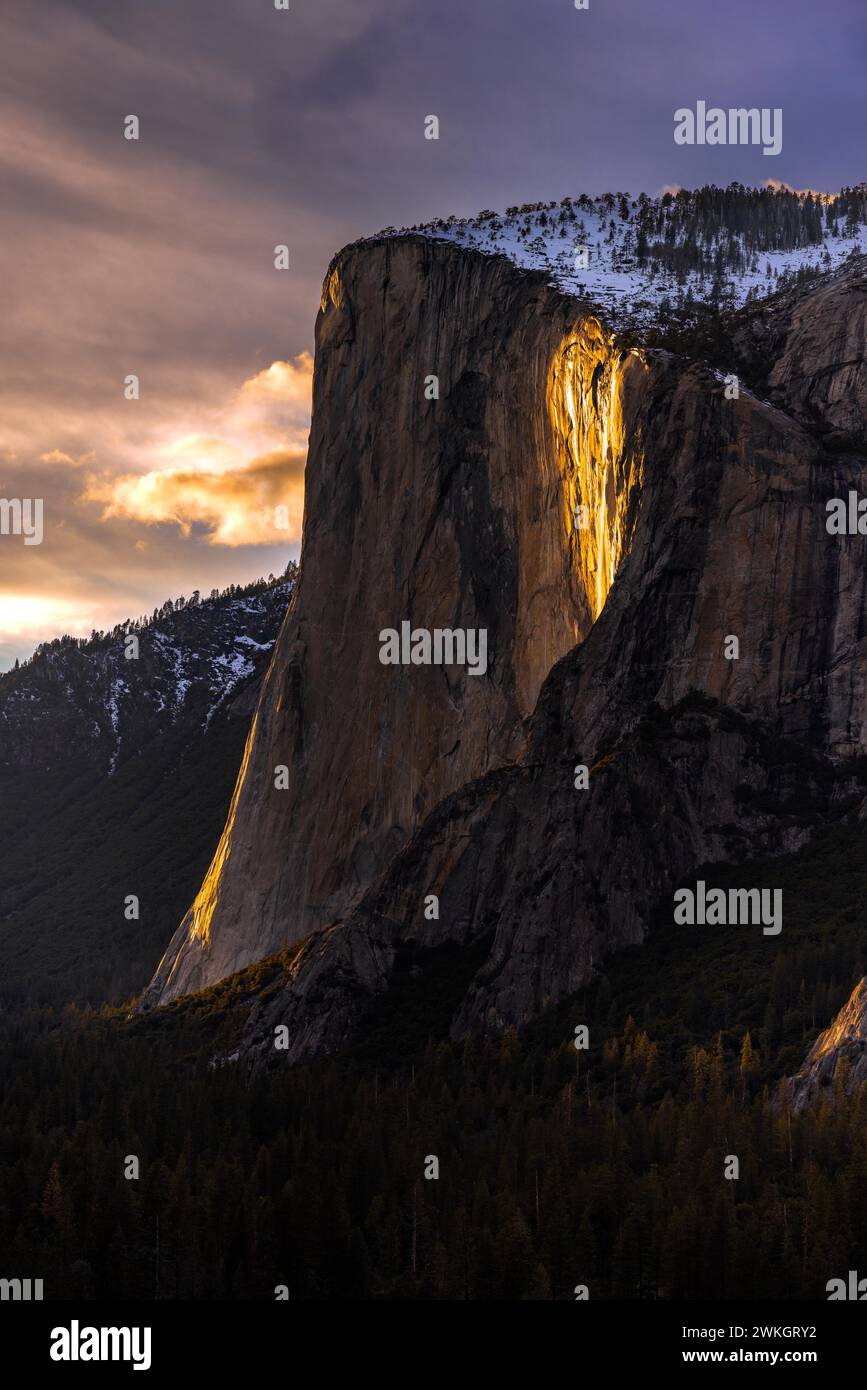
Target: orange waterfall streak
585 403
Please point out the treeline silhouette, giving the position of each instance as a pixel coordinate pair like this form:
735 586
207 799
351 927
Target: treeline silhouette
216 596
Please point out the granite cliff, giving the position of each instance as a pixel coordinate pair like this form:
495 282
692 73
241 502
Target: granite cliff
611 515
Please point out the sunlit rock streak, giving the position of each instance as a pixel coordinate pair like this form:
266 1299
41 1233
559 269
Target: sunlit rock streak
838 1057
196 924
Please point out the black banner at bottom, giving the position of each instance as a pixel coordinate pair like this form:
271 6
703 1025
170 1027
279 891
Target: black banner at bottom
162 1339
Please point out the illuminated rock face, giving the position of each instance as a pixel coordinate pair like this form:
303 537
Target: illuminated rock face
456 512
610 518
838 1056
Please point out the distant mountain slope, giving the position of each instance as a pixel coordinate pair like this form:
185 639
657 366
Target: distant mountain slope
88 699
115 777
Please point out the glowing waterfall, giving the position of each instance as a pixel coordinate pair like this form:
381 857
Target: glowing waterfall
585 402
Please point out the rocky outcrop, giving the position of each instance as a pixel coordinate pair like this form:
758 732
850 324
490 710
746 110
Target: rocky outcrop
612 519
809 350
838 1056
556 880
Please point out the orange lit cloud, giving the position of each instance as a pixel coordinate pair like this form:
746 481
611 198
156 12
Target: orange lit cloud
256 503
198 495
242 482
286 382
58 456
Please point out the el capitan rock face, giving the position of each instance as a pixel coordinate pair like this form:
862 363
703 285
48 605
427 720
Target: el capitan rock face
451 513
466 512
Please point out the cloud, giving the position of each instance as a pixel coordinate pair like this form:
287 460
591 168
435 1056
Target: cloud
282 381
58 456
277 401
147 504
242 482
258 503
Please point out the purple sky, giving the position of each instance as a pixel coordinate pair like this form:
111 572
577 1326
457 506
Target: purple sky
305 127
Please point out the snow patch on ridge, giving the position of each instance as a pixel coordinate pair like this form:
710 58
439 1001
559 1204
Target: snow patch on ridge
627 287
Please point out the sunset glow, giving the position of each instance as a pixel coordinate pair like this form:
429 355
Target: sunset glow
174 504
21 614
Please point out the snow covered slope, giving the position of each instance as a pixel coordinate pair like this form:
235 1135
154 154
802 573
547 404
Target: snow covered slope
639 258
86 699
